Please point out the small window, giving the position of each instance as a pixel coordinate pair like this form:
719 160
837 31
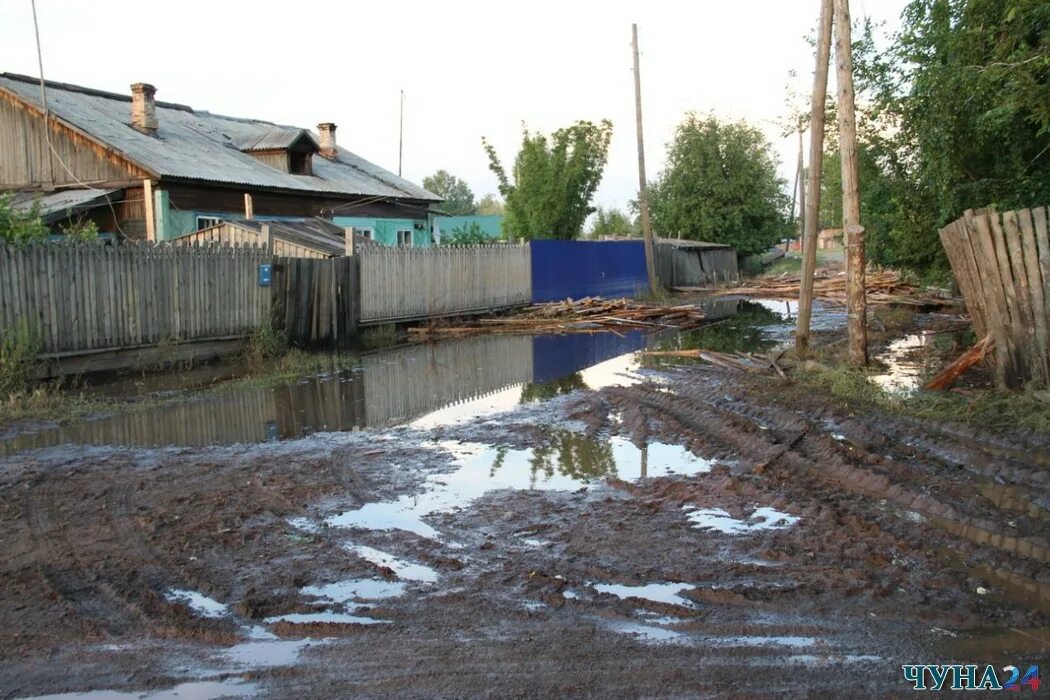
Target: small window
363 231
204 222
300 163
404 236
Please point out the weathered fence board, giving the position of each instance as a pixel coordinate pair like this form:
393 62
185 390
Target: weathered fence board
400 284
1002 266
694 266
315 300
90 298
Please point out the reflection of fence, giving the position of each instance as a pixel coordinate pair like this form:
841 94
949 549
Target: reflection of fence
411 283
88 298
1002 266
418 379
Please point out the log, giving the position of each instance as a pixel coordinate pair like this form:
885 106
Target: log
950 374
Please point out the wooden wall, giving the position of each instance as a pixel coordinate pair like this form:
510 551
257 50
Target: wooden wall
24 155
79 298
400 284
695 267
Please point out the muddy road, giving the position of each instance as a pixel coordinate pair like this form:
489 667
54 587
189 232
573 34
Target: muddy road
614 532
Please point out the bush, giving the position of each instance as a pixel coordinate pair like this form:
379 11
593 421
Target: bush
19 351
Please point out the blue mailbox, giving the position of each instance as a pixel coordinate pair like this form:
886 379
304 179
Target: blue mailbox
265 272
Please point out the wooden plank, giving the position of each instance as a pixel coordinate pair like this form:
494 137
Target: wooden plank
999 324
1040 360
1025 332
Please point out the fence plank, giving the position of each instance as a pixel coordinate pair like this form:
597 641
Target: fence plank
1039 332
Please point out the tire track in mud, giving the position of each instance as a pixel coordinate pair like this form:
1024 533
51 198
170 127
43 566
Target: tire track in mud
796 451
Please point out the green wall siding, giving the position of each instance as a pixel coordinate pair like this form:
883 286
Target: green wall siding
384 231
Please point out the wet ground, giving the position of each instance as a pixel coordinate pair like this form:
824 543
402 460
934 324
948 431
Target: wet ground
521 517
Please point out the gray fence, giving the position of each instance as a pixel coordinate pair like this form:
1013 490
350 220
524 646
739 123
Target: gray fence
689 266
399 284
79 298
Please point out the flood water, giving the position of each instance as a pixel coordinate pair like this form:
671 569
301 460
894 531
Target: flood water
424 386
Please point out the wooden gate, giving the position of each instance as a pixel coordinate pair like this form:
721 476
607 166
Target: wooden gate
315 301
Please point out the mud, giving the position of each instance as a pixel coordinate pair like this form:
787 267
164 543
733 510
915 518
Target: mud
626 532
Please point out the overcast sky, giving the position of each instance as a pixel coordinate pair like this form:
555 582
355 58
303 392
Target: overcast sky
468 69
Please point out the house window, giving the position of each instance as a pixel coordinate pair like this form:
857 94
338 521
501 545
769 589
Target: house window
364 231
299 163
404 236
204 222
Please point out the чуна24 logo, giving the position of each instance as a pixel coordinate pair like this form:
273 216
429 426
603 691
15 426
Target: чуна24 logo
969 677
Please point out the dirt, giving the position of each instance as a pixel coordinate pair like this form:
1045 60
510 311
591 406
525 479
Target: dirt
799 551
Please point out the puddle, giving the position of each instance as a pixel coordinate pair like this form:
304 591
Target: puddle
326 616
266 652
197 690
200 604
425 385
904 359
356 589
765 641
763 518
406 570
649 633
569 462
656 592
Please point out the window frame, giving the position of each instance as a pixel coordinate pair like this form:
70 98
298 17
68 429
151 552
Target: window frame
215 219
410 243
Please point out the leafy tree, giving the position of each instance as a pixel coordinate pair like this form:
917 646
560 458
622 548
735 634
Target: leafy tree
721 185
469 234
489 205
459 199
957 116
612 222
554 179
20 225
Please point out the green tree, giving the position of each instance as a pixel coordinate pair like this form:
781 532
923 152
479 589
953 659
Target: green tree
468 234
721 185
612 222
459 199
489 205
19 225
957 116
554 179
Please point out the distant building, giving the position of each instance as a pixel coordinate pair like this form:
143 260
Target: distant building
156 170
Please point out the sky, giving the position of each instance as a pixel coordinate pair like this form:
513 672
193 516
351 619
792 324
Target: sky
468 69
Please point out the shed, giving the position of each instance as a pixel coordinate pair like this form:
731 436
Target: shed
684 263
292 238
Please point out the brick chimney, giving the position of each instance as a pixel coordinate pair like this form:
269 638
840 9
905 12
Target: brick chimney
327 133
144 108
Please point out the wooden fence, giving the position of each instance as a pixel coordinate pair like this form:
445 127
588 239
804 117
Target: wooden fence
86 298
1002 266
315 301
692 266
400 284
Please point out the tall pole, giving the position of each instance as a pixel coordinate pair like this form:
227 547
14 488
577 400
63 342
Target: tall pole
401 135
643 194
798 192
856 306
816 168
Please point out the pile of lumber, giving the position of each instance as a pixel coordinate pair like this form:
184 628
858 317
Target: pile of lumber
743 362
883 287
589 315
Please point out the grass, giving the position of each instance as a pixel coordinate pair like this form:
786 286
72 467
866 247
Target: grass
985 408
19 348
376 337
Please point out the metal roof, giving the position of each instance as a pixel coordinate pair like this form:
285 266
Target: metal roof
205 147
55 206
278 138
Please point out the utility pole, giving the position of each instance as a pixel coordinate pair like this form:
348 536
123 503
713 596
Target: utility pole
401 135
643 194
816 169
798 192
856 304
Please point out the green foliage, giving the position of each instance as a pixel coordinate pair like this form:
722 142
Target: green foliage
19 348
459 199
265 343
84 231
470 234
554 180
613 222
19 226
721 185
489 205
956 116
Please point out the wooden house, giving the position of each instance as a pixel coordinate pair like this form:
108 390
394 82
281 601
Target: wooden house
153 170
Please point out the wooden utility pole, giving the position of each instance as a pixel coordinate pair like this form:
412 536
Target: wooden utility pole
643 194
798 192
856 306
816 168
147 202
